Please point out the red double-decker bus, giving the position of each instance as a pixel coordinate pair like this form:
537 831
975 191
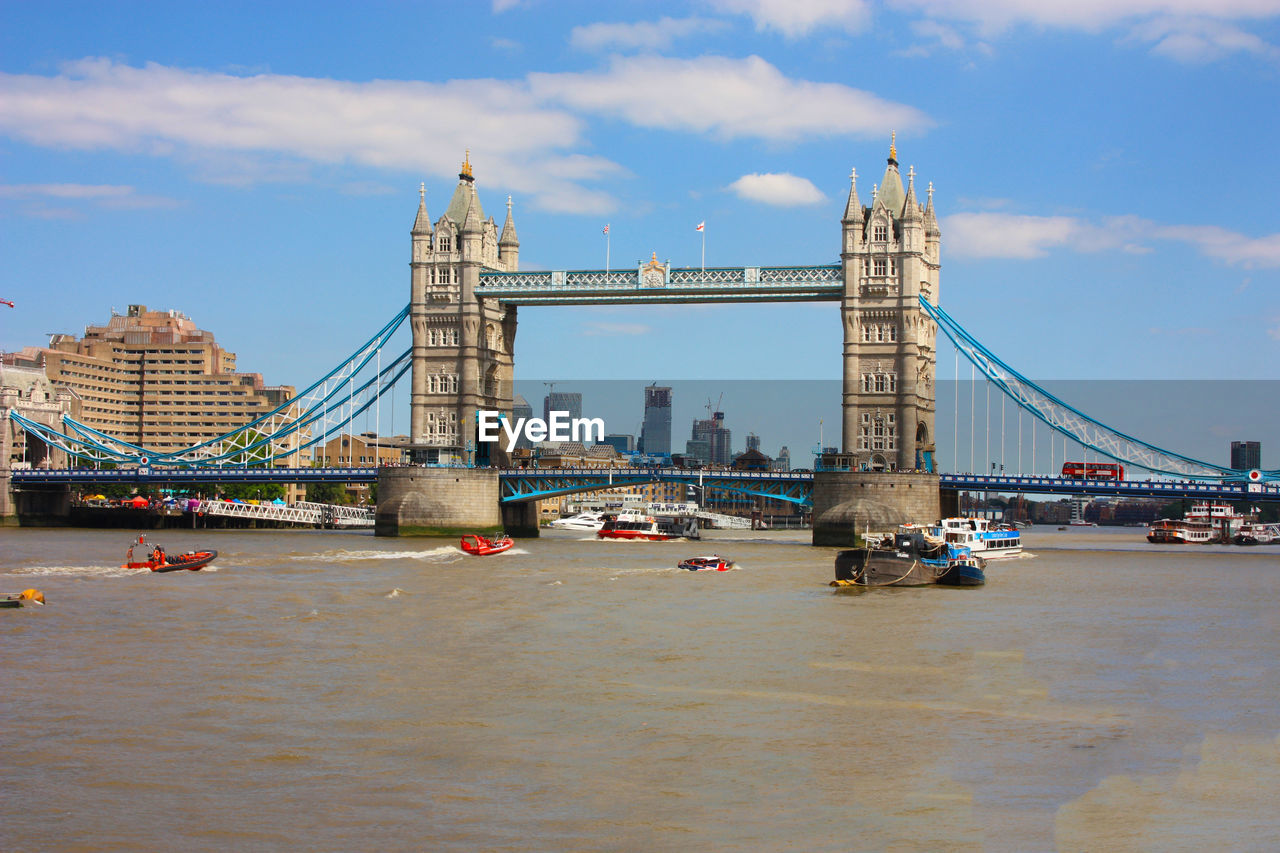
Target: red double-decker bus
1093 470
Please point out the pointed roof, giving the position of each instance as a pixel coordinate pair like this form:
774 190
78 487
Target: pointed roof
509 237
891 194
853 208
911 207
422 222
464 202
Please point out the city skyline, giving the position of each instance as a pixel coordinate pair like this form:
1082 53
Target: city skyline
1101 175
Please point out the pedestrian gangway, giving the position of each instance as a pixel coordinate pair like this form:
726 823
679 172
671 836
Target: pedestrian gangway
302 512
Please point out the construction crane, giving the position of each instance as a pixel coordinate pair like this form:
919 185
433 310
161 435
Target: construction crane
711 411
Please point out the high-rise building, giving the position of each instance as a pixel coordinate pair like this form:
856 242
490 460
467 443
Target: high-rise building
782 462
655 434
1246 455
753 441
716 437
562 401
154 379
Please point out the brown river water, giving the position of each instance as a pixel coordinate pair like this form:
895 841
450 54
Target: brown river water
336 691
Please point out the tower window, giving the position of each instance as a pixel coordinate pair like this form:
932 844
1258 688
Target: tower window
881 266
881 232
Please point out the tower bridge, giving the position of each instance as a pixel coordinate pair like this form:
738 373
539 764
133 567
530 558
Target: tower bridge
466 289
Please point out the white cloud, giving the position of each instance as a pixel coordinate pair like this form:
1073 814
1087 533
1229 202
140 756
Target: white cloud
110 196
781 190
794 18
611 329
728 98
1184 30
1005 235
523 134
642 35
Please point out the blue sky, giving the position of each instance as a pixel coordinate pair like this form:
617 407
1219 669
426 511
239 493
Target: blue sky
1105 172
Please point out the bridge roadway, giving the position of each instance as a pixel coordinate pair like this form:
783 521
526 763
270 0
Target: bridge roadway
525 484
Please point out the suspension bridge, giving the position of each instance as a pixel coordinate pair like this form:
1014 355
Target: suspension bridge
465 289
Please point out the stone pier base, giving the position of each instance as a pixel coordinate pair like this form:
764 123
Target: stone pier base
437 502
847 503
521 519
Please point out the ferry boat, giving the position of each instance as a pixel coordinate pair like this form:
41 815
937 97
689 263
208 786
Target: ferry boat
1253 533
910 558
981 536
1177 531
1206 521
654 528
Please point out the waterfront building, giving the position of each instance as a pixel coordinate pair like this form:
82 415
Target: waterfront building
366 450
154 379
1246 455
655 434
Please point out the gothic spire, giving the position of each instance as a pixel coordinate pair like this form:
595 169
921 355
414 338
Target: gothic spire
930 218
853 208
891 195
911 207
422 222
509 237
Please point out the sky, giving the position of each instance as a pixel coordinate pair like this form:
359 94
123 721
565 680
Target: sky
1104 173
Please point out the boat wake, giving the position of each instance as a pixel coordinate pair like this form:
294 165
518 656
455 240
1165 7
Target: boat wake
74 571
395 593
443 554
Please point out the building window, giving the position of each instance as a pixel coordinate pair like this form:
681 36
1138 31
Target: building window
443 244
881 267
881 232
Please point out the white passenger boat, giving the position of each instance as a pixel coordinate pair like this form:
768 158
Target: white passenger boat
984 538
1180 531
656 528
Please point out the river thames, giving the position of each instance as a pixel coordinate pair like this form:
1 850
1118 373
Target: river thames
335 691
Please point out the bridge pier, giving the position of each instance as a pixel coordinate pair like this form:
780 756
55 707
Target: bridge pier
437 502
848 503
521 519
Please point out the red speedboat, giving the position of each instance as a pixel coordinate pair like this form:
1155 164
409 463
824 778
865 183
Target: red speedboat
159 561
714 563
480 546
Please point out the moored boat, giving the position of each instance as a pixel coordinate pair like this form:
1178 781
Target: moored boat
1177 531
713 563
911 559
581 521
482 546
981 536
653 528
158 560
1253 533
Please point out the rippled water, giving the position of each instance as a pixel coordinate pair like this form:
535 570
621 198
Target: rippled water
336 691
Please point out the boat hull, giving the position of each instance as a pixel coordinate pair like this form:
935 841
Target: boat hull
481 547
875 567
183 562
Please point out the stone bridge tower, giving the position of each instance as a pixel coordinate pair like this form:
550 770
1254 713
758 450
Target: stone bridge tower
891 257
462 345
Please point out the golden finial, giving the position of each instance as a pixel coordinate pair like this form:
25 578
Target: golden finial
466 165
893 145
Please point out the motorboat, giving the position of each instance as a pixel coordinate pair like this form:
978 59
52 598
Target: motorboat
714 563
581 521
482 546
158 560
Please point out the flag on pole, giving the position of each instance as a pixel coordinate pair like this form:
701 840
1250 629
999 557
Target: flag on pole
700 225
606 228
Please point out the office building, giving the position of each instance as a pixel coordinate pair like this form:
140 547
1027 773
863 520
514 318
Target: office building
562 401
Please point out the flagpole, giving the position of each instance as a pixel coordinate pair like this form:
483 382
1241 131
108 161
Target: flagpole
704 250
606 248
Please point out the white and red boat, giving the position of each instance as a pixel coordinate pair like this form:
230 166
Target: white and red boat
653 528
1177 531
482 546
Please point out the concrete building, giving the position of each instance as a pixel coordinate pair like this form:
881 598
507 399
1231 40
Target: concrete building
154 379
562 401
711 441
462 345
